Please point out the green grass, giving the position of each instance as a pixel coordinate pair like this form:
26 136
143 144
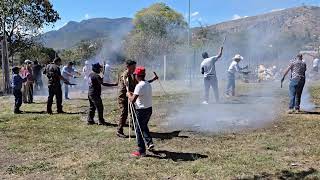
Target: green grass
63 147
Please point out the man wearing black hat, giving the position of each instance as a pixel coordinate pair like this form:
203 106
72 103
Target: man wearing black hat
94 95
54 76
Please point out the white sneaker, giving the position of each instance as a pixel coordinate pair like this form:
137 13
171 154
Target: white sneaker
205 102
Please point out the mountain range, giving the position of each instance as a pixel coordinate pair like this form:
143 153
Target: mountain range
301 21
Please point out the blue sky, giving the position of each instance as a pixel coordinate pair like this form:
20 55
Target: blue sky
206 11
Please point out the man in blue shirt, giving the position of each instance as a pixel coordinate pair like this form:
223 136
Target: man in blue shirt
68 72
17 81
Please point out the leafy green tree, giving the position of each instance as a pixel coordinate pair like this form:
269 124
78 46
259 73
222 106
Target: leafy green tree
23 20
158 29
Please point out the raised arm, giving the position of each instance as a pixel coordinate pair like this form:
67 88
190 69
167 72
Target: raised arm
220 53
154 78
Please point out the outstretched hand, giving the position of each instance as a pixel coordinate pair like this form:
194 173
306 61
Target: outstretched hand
156 77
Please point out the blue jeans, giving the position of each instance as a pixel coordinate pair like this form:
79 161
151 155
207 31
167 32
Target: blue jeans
211 81
295 91
143 117
231 85
66 91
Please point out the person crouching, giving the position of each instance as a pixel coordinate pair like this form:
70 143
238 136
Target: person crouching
142 98
94 94
17 82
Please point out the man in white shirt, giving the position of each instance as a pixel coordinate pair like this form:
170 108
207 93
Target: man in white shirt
315 65
233 68
208 70
107 73
86 71
142 98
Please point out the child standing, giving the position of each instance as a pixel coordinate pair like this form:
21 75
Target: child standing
94 94
17 82
142 98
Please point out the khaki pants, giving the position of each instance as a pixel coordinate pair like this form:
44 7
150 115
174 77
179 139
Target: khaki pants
27 92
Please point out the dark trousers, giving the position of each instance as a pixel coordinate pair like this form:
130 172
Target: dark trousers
95 104
54 91
27 96
17 99
123 106
143 117
295 92
38 84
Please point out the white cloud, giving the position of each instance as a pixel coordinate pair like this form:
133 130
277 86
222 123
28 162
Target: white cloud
86 16
194 14
237 16
275 10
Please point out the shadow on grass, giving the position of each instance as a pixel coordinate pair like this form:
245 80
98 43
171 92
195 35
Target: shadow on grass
284 174
169 135
162 136
309 112
176 156
44 112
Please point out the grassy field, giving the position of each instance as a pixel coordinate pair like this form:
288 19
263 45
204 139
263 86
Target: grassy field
40 146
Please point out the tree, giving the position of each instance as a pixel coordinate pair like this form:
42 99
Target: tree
23 19
158 29
38 52
20 21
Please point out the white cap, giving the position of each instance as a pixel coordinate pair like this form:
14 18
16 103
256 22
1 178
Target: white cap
86 62
238 56
27 61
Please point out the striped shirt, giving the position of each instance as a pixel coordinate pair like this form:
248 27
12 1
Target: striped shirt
298 69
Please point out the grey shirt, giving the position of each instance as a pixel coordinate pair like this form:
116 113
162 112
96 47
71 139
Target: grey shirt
208 66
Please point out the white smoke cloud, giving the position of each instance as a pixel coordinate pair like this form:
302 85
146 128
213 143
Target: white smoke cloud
195 14
275 10
237 16
87 16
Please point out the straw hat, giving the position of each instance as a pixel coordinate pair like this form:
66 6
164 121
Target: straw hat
237 56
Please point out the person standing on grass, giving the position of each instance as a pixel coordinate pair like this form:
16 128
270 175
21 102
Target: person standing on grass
37 75
142 98
127 83
54 86
17 82
68 72
233 68
27 89
298 70
94 95
208 69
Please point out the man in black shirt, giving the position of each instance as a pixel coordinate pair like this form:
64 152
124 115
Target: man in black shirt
54 76
37 75
94 94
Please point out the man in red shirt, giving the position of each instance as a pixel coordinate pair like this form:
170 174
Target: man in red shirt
27 89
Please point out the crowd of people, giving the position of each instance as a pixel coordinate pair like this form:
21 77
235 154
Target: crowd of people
135 92
134 89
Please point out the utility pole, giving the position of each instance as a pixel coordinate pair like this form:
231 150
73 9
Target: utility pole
5 60
189 42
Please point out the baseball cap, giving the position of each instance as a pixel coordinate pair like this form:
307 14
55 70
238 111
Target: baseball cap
140 71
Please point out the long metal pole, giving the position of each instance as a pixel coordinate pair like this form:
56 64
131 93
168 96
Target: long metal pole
189 41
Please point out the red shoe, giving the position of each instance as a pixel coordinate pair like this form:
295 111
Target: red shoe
138 154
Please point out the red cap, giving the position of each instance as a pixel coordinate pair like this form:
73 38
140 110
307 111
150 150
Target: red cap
140 71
